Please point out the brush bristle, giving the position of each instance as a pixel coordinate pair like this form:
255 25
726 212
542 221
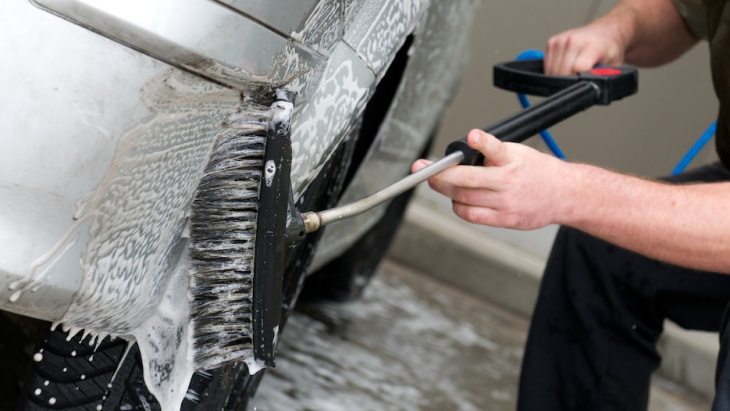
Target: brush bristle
222 238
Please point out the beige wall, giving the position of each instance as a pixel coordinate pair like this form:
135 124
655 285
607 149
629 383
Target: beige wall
645 134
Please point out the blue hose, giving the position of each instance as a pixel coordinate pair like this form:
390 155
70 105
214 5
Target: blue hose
695 149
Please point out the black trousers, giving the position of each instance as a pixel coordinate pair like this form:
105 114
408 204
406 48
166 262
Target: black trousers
599 314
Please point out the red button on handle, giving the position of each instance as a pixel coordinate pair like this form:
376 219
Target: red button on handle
605 71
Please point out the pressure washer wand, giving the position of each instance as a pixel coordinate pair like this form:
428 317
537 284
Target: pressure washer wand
528 122
282 226
567 95
314 220
515 128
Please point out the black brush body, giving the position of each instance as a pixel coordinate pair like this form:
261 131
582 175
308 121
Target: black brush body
271 248
237 238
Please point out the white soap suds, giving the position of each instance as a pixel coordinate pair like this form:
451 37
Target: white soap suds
168 362
253 365
33 281
134 285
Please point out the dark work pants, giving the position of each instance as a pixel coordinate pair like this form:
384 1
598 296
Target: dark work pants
599 314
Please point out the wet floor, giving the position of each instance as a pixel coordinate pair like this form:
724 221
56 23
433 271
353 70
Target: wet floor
409 344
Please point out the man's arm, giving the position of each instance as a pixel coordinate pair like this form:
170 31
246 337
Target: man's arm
645 33
521 188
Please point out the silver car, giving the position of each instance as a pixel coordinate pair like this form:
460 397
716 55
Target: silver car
111 111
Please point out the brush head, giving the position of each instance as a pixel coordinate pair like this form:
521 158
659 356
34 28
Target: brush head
224 217
271 254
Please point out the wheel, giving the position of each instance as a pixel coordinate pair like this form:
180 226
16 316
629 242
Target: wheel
70 374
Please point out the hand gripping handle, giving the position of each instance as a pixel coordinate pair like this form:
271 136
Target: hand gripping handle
567 95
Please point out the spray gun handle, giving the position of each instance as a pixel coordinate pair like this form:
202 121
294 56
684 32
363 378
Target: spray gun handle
567 95
528 77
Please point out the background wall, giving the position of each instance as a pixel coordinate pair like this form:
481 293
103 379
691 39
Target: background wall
645 134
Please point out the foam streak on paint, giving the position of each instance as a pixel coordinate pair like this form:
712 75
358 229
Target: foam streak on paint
135 264
32 281
168 364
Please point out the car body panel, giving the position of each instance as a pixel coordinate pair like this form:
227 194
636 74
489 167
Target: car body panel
379 27
314 23
340 98
59 137
224 46
412 119
111 110
106 132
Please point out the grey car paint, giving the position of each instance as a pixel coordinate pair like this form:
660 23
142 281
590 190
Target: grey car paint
107 123
430 79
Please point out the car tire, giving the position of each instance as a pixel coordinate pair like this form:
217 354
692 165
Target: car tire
73 375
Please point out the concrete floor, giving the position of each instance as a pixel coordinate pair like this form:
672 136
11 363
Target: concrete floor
410 343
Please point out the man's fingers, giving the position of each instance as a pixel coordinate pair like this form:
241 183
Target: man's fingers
467 177
419 164
480 215
478 197
553 53
586 60
560 56
495 152
570 53
567 62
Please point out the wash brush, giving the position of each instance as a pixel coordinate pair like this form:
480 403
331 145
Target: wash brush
244 219
237 215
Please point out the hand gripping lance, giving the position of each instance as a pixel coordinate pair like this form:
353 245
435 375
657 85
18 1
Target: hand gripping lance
565 96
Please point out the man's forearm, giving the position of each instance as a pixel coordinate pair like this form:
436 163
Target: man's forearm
687 225
522 188
653 31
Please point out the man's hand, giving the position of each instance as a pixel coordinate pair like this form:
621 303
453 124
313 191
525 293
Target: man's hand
581 49
522 188
644 33
519 187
